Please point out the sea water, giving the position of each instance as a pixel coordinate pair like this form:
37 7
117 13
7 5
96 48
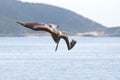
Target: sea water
34 58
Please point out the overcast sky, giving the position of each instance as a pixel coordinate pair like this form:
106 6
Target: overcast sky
105 12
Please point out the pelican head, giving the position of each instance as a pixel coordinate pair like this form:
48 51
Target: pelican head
54 26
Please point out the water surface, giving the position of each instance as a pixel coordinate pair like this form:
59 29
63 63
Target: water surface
23 58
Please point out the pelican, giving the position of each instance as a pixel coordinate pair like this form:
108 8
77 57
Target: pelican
52 29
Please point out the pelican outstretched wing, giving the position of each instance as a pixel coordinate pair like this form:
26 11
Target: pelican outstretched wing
36 26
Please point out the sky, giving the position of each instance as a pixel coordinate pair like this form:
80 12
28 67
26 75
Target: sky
105 12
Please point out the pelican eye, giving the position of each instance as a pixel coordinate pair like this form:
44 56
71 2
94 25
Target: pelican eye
50 25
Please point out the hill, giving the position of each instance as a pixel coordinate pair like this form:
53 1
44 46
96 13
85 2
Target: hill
114 31
13 10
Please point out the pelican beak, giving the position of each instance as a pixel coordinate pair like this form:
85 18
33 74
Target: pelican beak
56 46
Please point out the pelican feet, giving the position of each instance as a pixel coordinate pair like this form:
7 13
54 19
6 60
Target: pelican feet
72 44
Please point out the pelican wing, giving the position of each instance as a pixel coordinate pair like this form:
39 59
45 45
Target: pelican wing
65 37
37 26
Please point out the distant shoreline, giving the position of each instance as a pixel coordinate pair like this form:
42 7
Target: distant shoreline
10 35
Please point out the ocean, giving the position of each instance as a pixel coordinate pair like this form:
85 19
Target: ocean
34 58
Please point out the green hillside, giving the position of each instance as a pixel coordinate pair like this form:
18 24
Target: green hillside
13 10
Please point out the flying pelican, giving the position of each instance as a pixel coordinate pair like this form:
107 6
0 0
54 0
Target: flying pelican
52 29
